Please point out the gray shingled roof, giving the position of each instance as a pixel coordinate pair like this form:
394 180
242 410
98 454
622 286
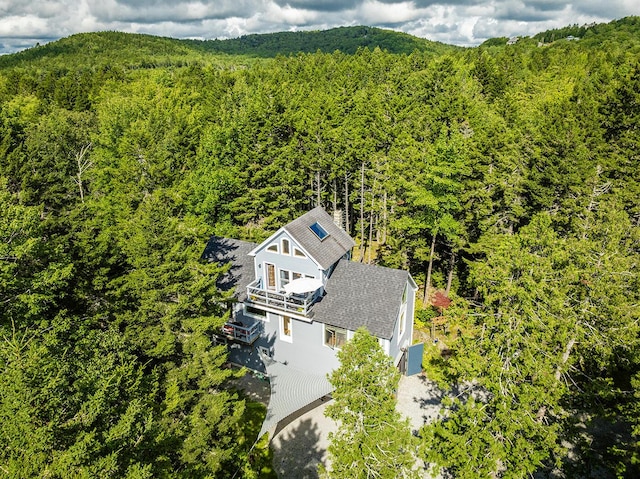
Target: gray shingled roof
356 294
359 294
236 252
327 251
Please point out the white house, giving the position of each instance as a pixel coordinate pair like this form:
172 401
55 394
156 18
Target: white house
299 298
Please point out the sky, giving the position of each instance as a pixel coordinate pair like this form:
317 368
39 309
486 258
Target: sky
23 23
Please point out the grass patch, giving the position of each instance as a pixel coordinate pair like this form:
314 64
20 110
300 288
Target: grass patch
261 456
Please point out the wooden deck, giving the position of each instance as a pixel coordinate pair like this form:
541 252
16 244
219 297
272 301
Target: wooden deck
297 304
238 331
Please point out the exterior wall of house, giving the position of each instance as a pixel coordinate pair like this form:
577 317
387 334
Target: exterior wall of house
400 341
305 350
290 262
385 344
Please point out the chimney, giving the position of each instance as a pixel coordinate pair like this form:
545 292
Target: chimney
338 218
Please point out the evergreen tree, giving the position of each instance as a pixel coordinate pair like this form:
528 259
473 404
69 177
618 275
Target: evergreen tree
119 159
372 440
557 311
34 275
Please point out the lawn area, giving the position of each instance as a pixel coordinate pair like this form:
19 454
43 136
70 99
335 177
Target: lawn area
261 456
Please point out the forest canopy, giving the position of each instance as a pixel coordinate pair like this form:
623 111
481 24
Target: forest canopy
506 174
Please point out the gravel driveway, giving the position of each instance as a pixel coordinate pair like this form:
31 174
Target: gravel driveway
300 446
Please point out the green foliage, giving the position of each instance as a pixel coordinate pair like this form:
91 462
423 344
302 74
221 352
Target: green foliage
495 42
120 154
108 50
108 53
549 303
372 440
33 274
618 32
345 39
511 386
260 463
562 33
72 405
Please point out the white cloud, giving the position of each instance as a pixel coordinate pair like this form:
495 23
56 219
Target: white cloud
23 26
288 15
373 12
606 9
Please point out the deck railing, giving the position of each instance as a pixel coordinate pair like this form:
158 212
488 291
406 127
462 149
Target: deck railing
241 332
290 303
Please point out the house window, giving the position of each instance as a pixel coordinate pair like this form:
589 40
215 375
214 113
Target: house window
286 328
334 337
285 277
255 312
271 276
285 246
403 315
298 253
264 351
273 247
319 231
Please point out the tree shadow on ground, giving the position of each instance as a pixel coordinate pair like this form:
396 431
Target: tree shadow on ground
595 450
296 452
431 397
432 394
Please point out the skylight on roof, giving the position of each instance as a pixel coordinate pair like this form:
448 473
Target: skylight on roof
319 231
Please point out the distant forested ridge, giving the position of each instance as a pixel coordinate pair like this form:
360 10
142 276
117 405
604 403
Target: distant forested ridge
345 39
150 51
505 175
107 50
